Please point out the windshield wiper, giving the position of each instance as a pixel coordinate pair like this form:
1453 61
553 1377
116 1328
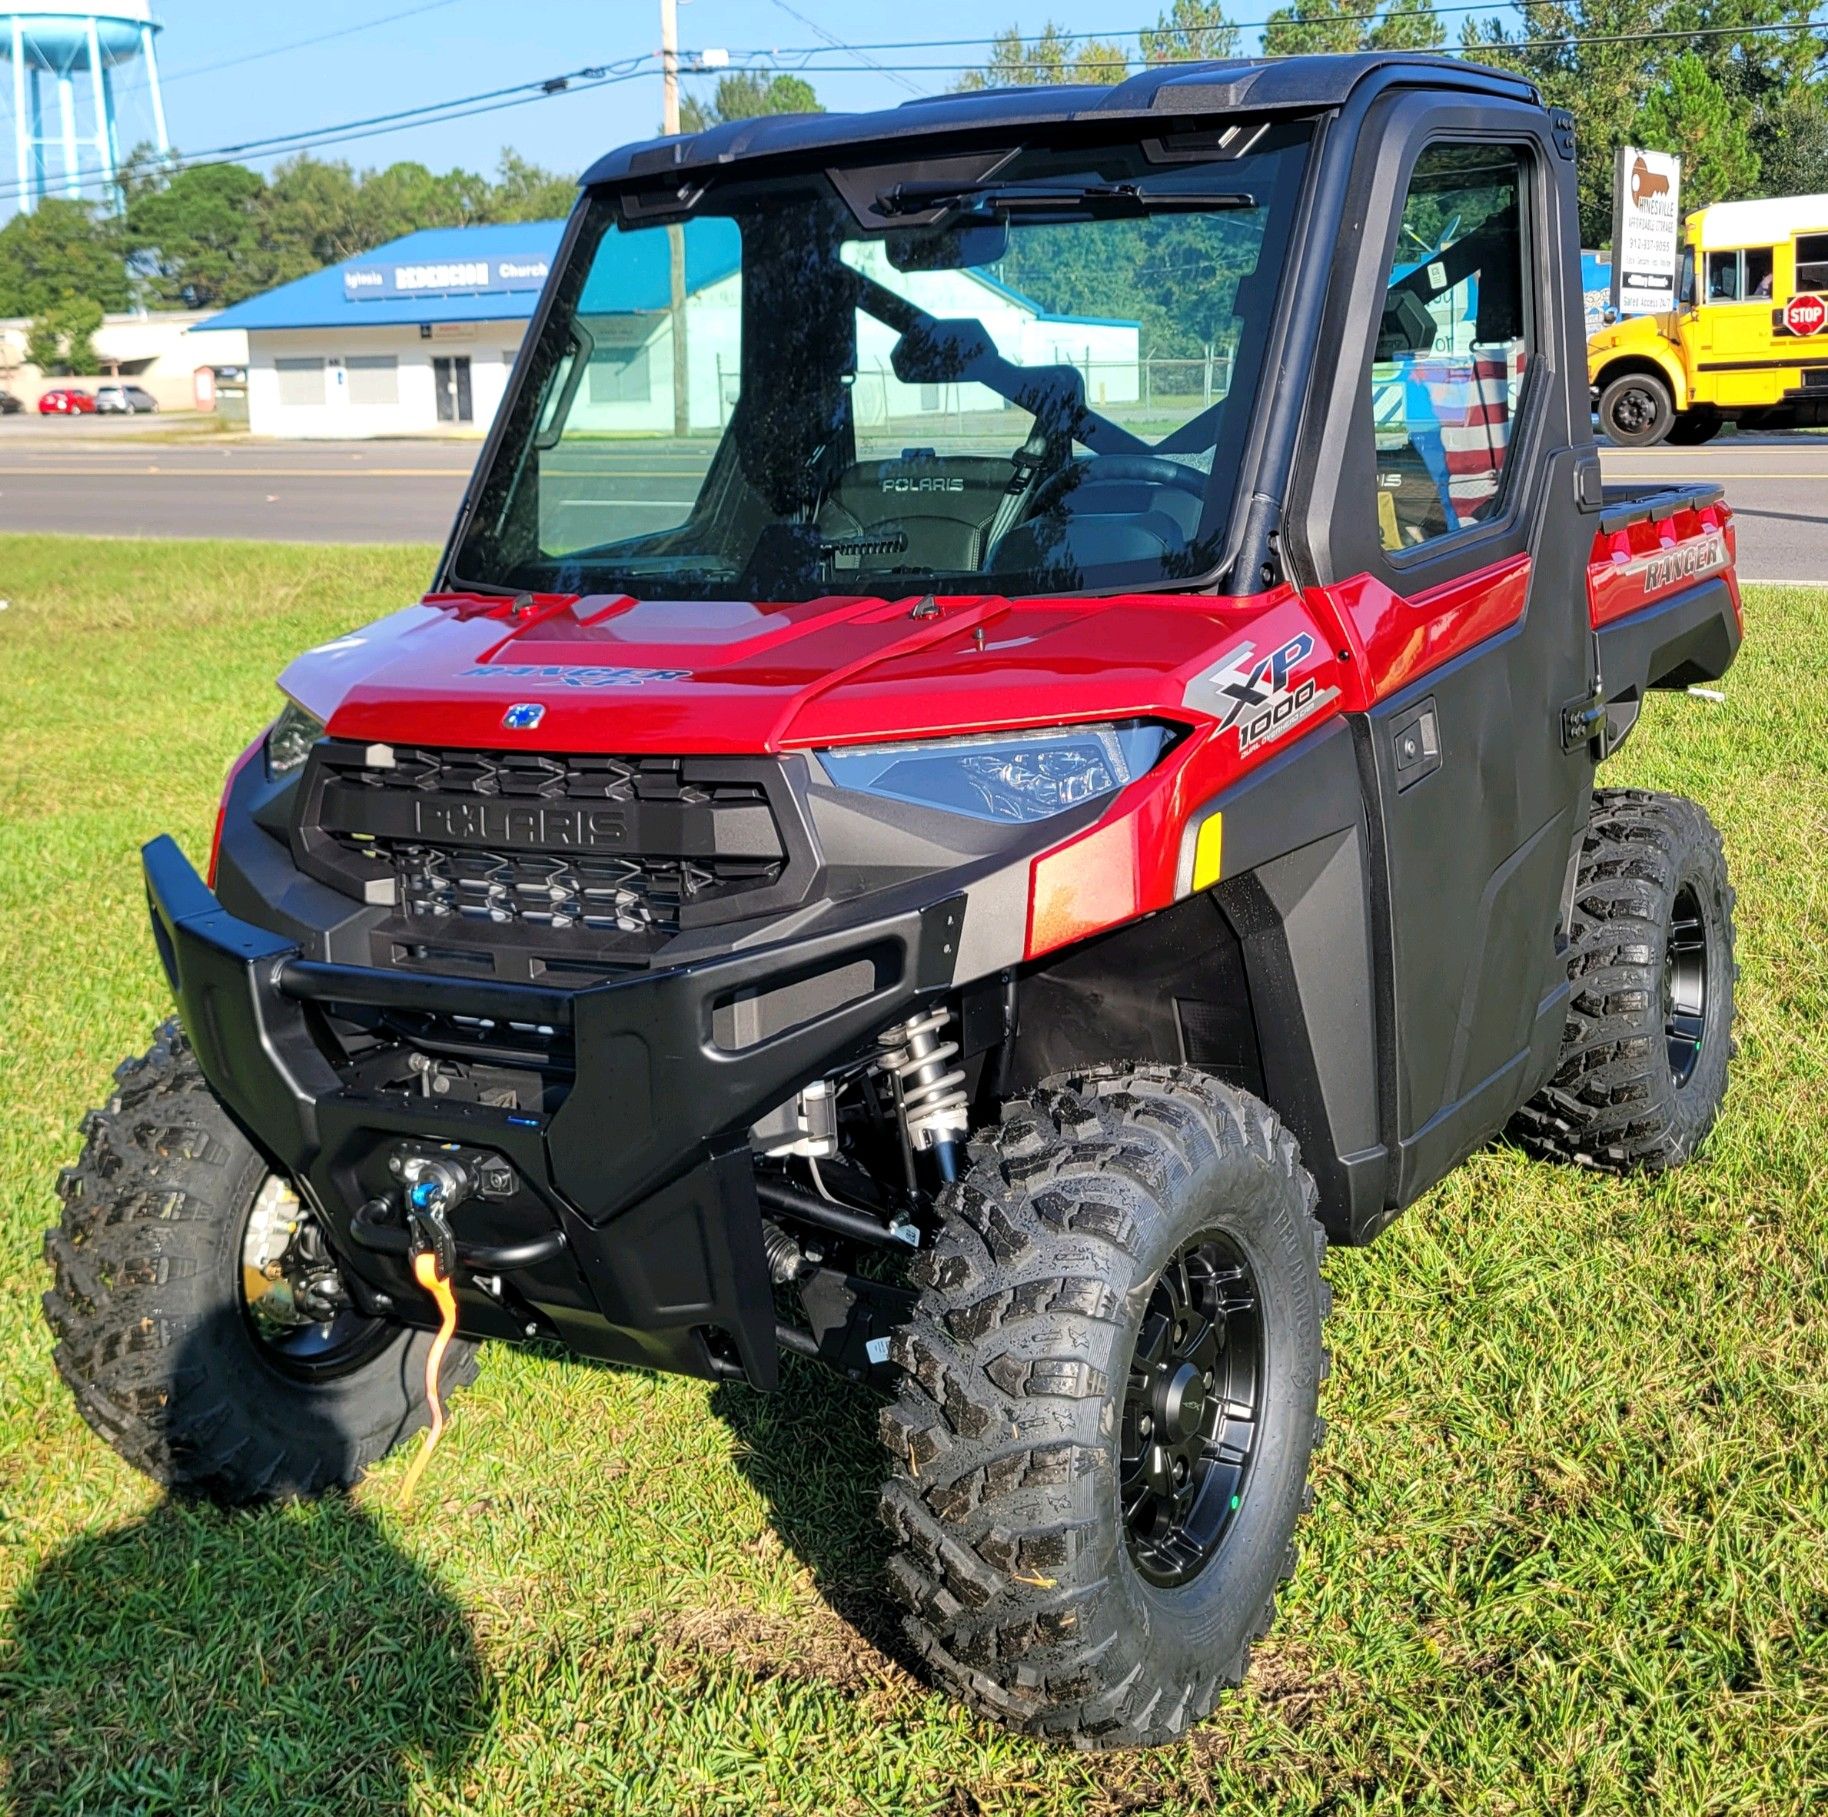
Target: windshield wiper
992 197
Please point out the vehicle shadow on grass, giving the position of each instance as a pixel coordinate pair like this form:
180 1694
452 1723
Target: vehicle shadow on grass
811 1451
273 1658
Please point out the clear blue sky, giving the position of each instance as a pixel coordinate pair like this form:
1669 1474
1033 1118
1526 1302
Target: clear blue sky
463 46
373 57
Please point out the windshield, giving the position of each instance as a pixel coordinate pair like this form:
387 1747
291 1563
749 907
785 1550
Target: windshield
1010 372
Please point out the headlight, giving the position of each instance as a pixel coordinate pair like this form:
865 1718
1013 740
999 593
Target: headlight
1007 776
290 738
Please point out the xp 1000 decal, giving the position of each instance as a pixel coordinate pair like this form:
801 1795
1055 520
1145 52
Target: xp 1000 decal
1263 696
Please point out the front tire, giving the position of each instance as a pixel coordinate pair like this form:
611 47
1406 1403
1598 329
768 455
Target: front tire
1643 1066
1056 1432
1636 411
173 1355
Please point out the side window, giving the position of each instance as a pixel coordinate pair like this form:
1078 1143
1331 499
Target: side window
1453 345
1812 261
1759 263
1723 277
1685 285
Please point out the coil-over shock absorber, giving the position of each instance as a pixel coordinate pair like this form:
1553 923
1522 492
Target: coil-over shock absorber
929 1090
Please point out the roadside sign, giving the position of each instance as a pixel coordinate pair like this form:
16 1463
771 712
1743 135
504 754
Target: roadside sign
1646 230
1806 315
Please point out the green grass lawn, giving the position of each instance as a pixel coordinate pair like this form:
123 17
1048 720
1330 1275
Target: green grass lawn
1570 1547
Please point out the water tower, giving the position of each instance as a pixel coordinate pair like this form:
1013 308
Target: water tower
74 46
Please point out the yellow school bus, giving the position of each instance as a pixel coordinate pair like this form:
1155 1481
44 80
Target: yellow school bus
1747 341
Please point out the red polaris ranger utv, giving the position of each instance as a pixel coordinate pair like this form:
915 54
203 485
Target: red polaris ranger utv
1057 779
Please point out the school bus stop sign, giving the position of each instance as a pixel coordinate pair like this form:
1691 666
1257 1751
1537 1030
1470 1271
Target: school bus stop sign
1805 315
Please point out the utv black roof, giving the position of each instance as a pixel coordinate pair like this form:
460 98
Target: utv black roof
1255 85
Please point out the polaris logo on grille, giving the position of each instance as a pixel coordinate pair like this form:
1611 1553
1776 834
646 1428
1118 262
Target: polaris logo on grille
523 716
503 823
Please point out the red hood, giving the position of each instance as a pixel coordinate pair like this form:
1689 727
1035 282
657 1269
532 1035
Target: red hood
720 676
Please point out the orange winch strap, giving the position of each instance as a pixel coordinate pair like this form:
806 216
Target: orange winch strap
425 1272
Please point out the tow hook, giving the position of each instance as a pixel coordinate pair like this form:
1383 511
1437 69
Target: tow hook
435 1186
428 1228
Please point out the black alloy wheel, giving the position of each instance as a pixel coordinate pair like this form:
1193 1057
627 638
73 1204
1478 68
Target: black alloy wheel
1190 1416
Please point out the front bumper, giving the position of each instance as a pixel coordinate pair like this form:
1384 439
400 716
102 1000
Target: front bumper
637 1191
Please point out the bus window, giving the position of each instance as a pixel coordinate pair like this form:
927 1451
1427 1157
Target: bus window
1760 262
1723 277
1812 261
1685 285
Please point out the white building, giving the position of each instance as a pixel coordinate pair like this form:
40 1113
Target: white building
414 337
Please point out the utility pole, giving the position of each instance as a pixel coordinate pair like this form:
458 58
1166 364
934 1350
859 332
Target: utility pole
669 66
675 234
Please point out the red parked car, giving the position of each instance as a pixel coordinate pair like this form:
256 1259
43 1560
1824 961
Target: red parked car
67 400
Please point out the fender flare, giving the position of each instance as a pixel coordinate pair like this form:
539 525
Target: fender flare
1658 361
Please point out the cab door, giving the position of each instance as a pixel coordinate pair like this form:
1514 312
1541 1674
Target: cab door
1739 364
1439 530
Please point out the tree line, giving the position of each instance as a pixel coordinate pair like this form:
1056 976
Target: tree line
209 235
1736 87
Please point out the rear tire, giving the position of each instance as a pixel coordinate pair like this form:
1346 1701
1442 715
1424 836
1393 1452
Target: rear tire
155 1335
1636 411
1037 1563
1643 1066
1693 427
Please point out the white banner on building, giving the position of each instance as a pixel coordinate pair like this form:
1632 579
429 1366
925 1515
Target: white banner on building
1646 230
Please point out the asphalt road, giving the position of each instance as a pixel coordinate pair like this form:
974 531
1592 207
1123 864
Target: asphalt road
105 480
1776 484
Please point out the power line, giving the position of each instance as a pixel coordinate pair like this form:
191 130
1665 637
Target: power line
857 50
167 78
280 50
435 113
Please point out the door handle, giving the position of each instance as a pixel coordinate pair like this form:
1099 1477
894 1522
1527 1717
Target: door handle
1415 738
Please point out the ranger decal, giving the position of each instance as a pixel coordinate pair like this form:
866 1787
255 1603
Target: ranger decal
573 676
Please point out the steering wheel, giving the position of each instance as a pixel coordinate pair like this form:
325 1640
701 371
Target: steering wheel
1137 469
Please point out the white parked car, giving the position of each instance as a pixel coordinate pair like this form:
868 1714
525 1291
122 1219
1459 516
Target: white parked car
124 400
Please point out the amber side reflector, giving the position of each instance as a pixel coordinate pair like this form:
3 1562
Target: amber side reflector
1208 851
1082 889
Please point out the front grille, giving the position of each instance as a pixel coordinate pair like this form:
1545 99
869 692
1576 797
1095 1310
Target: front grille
572 855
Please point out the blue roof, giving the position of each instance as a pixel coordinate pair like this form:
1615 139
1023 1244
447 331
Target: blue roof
324 300
480 274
